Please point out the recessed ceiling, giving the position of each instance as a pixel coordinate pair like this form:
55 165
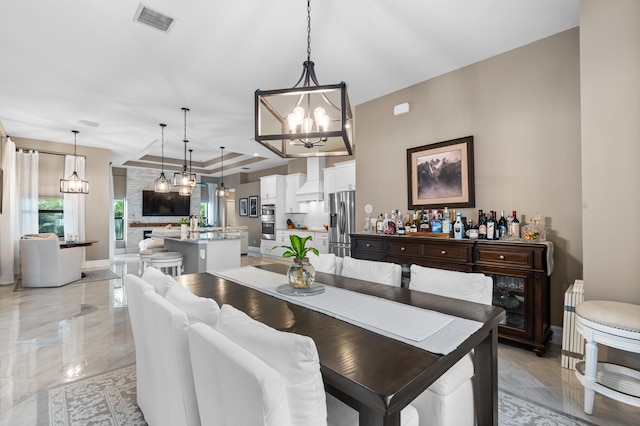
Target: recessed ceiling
91 66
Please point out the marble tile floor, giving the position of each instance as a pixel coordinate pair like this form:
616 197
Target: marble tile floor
52 336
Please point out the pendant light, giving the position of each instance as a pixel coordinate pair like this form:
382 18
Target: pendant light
73 184
307 120
182 180
222 191
192 182
162 184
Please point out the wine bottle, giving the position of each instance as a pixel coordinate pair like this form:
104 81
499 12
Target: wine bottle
491 227
502 226
482 225
515 226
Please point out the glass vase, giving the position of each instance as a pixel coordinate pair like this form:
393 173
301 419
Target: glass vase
301 274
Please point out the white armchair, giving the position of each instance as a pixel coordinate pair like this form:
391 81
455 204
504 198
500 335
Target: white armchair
45 264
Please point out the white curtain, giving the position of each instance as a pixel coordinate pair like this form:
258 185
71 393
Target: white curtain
212 205
27 187
8 217
74 204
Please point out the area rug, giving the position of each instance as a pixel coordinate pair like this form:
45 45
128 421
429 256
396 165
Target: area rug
89 276
110 399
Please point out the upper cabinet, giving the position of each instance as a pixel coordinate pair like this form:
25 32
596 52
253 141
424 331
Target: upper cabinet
271 189
293 182
345 176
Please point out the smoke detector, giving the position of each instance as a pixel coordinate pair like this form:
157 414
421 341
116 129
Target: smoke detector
153 18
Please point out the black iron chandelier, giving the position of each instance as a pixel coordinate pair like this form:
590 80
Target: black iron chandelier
162 184
222 191
307 120
184 180
73 184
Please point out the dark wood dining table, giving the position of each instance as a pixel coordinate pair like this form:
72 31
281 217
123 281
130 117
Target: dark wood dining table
374 374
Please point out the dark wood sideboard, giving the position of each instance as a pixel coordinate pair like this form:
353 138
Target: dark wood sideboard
518 269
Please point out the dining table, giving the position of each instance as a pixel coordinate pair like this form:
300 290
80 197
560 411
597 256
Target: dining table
373 373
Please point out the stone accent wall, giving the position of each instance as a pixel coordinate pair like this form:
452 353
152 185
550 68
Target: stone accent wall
137 181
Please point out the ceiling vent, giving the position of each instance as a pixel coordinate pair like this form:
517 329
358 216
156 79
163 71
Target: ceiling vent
153 19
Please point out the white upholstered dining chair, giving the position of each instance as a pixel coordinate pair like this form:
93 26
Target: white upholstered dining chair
369 270
295 358
45 264
234 386
450 400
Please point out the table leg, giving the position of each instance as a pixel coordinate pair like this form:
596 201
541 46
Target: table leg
371 418
486 371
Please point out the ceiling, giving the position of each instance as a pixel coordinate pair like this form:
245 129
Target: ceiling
87 65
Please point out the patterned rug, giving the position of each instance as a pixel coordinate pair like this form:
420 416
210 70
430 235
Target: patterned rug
110 399
89 276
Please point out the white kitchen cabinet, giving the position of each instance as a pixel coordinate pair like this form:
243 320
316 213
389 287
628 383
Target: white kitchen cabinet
345 176
266 246
321 242
293 182
270 188
329 185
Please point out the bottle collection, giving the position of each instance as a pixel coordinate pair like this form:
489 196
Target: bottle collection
447 221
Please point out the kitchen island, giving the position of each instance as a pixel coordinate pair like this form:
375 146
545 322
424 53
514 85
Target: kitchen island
205 251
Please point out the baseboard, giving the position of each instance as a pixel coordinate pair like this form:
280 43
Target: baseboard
101 263
556 337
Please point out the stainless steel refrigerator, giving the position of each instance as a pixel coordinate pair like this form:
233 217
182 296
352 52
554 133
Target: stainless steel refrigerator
342 222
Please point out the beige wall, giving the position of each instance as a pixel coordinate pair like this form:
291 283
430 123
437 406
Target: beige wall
523 109
98 201
610 94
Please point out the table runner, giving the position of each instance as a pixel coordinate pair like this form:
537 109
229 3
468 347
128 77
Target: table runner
422 328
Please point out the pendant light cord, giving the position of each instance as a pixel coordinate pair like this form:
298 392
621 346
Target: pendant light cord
308 30
75 157
185 138
163 126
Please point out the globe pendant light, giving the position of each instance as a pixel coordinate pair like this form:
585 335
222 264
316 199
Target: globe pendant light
73 184
182 180
222 191
308 120
162 184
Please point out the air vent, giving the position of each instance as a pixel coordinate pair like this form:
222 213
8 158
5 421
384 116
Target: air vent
153 18
245 168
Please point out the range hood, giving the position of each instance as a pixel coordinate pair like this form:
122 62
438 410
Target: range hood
313 188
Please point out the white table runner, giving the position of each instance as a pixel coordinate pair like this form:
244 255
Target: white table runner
422 328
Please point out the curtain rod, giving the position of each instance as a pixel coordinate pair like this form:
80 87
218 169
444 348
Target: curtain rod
48 152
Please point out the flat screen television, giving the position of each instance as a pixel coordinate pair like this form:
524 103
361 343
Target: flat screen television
165 204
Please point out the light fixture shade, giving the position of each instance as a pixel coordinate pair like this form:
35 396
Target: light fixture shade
182 178
273 130
162 184
222 191
185 190
74 185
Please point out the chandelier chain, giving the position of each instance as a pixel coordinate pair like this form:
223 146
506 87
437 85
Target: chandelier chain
308 30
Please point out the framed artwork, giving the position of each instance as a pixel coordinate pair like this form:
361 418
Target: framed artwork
244 207
441 174
253 206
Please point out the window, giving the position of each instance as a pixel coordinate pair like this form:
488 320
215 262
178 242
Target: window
50 216
204 209
118 217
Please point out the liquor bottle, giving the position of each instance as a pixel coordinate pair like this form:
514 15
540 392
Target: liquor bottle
458 228
491 227
389 225
436 223
502 226
380 224
515 226
425 225
482 225
446 222
466 226
399 224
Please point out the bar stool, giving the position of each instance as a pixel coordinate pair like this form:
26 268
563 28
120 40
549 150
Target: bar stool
171 260
613 324
145 257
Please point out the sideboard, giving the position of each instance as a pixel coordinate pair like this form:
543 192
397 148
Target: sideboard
519 272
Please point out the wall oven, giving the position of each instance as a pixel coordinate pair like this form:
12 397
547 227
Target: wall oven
268 222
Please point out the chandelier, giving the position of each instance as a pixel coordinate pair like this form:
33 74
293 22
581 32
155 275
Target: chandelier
73 184
222 191
307 120
183 179
162 184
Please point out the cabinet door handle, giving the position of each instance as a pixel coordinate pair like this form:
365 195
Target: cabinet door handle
368 245
443 252
402 249
501 257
